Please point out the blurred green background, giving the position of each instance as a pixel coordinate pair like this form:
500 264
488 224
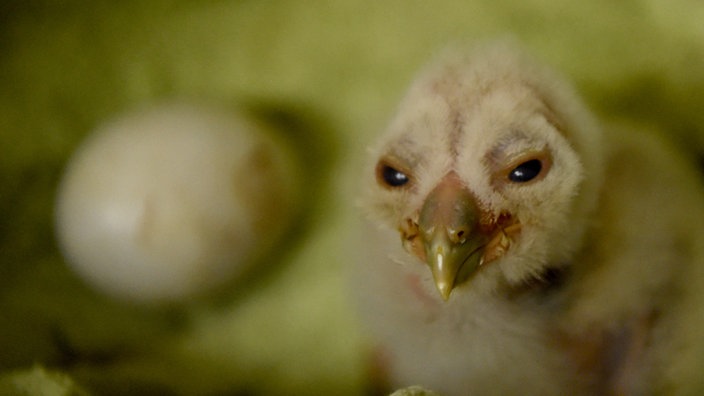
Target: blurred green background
333 72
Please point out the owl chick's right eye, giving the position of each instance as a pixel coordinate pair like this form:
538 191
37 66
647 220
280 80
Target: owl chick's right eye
390 176
526 171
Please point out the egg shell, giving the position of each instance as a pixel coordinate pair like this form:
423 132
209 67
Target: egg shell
167 203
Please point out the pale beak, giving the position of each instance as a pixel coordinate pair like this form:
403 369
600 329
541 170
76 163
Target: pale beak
449 229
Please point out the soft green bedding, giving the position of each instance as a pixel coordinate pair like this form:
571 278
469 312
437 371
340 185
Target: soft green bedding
336 69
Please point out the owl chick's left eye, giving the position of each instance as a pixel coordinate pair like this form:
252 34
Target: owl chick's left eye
390 176
526 171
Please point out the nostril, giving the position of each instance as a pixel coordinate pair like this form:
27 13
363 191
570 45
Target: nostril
458 235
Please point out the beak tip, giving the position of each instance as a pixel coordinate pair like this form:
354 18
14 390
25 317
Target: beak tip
445 290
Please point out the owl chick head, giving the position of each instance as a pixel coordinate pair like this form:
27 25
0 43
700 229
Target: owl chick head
489 169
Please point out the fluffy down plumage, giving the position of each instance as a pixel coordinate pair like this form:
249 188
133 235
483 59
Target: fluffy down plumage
512 246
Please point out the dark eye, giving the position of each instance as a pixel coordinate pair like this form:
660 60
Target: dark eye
390 176
526 171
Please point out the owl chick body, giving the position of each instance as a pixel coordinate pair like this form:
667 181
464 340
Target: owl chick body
537 254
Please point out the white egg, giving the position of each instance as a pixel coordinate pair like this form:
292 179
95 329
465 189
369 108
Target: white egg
168 203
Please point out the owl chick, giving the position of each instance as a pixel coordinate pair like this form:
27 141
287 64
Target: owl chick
513 247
